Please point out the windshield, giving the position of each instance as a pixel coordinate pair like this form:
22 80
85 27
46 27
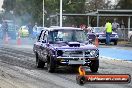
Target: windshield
98 30
67 36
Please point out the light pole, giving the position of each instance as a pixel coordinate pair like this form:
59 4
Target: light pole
60 13
43 13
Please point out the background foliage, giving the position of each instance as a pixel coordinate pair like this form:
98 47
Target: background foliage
25 11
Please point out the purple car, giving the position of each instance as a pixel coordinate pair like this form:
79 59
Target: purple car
100 33
65 46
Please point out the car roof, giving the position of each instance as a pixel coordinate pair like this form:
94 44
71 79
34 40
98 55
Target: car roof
41 27
62 28
99 27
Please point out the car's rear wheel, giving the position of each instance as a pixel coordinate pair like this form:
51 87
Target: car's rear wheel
39 63
115 43
94 65
50 65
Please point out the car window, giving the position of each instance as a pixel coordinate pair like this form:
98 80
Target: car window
98 30
40 35
41 38
50 37
45 36
67 35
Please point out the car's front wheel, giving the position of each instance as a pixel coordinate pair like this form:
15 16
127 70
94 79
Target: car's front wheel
39 63
50 65
131 39
94 65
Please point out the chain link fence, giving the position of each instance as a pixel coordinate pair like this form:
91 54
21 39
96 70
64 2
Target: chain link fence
123 33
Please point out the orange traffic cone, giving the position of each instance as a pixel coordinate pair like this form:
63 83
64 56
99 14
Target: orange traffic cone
96 42
6 39
19 39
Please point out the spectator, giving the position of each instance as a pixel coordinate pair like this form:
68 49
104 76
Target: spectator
108 28
30 30
35 31
90 29
4 29
115 26
121 32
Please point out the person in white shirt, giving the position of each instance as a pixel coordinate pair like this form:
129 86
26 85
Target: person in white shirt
90 29
115 26
35 30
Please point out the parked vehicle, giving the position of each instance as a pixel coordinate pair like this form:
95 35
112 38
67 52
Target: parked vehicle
65 46
130 36
100 33
23 30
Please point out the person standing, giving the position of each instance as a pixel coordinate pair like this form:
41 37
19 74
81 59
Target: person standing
90 29
115 26
108 28
4 29
35 31
30 30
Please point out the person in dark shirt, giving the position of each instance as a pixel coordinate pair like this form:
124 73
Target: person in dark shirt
30 30
4 28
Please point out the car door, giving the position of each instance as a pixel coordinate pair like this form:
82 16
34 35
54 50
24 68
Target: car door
39 44
43 47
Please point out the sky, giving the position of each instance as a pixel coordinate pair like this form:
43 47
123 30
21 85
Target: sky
1 2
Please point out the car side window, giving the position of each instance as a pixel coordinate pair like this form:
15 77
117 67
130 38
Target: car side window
41 36
45 37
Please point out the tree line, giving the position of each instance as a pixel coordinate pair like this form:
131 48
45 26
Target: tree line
24 11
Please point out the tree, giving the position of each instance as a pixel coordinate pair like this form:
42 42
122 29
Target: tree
124 4
8 5
94 5
32 10
75 6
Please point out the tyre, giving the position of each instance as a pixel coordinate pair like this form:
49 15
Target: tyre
131 39
39 63
115 43
50 65
94 66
